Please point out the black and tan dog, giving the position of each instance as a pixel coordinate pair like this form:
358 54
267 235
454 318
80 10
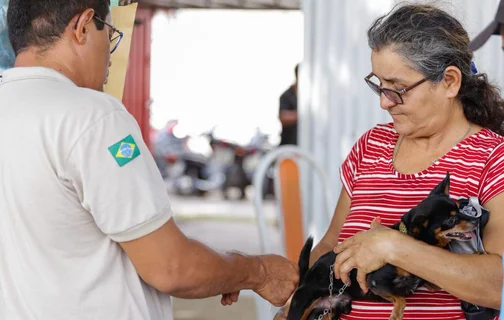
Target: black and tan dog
437 220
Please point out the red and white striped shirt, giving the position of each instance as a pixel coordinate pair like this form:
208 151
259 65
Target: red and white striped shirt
476 167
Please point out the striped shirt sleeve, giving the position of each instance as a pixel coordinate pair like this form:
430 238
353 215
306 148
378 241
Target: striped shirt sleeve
492 178
349 168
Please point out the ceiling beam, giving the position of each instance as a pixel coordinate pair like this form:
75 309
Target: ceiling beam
209 4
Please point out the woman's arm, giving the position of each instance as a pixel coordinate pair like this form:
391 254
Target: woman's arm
330 239
470 277
473 278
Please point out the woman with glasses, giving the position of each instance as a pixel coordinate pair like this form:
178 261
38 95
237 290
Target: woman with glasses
86 226
445 118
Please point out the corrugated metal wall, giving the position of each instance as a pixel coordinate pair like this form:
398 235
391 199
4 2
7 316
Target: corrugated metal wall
335 104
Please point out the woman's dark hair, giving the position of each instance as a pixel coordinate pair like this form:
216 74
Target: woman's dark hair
40 23
432 40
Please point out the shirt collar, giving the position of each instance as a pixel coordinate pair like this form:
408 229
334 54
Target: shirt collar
24 73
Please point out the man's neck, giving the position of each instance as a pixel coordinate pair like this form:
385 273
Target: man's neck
51 60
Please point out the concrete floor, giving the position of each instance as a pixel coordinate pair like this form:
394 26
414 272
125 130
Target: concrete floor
222 225
211 309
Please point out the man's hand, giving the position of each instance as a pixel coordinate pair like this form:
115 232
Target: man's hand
229 298
279 278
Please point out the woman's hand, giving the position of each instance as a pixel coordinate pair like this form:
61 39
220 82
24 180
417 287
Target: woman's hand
366 251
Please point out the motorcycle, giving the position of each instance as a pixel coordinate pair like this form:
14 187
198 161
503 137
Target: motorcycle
184 161
240 168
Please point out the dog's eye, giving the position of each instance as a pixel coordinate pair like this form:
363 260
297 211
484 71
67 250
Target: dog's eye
452 221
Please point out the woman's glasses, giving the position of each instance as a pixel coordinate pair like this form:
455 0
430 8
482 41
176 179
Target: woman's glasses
393 95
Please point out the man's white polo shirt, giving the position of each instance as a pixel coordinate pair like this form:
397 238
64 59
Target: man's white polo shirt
76 179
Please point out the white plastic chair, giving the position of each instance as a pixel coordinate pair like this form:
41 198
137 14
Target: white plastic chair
276 156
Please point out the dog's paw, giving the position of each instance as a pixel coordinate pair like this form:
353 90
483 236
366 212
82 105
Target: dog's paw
345 304
341 304
431 287
335 316
282 313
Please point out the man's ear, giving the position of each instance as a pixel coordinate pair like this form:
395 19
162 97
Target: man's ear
443 186
80 25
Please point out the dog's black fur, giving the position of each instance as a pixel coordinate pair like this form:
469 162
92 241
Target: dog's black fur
436 221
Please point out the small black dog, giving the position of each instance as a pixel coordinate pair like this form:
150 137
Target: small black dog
437 221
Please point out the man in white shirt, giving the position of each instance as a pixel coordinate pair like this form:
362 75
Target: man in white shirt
86 228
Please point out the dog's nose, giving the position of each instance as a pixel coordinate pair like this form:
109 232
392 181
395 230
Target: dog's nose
373 283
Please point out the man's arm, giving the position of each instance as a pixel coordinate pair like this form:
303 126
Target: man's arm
138 217
172 263
288 117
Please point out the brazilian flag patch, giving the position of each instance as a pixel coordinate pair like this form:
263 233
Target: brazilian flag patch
124 151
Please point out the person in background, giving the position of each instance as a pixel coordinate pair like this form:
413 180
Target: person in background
86 225
289 114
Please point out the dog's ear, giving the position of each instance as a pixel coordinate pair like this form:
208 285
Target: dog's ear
304 258
443 187
414 219
299 302
484 218
418 218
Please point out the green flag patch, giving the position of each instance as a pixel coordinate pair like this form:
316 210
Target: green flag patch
124 151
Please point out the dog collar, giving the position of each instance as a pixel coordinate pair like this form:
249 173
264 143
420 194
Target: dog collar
402 228
472 208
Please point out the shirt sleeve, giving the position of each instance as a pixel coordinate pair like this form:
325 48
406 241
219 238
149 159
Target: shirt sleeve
350 167
116 179
492 178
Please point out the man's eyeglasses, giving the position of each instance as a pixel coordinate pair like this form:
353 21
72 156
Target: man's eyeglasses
393 95
115 38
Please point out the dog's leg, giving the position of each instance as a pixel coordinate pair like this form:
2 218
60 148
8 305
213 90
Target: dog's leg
399 305
282 312
338 304
343 304
431 287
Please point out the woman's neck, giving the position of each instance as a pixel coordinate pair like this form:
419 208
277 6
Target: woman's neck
415 153
447 135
